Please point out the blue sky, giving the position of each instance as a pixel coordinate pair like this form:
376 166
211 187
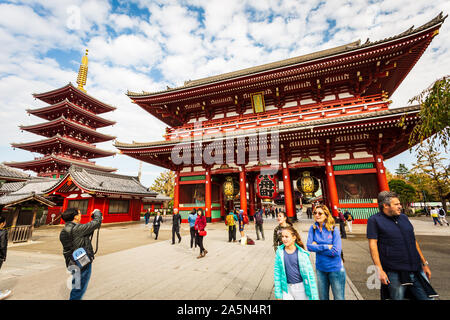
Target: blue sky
148 45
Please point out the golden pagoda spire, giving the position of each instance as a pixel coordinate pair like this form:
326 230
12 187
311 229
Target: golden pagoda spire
82 72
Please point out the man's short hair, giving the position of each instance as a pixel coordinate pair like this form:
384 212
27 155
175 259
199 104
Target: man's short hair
2 219
384 197
69 214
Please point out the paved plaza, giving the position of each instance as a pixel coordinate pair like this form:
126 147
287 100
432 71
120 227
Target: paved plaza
130 264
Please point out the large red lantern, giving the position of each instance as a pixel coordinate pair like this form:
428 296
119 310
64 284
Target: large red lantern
267 186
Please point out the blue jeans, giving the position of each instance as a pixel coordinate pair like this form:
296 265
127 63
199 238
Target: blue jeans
397 291
77 294
336 280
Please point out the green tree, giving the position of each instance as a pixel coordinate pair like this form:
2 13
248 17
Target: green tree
430 162
434 115
164 184
402 171
405 191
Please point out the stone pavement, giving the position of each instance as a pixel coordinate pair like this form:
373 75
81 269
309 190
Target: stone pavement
153 269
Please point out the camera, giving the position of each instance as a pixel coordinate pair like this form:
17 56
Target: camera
95 211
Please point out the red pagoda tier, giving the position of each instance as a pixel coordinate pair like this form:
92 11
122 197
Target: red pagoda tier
326 114
71 130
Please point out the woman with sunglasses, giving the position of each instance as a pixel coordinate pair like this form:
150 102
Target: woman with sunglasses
325 240
283 222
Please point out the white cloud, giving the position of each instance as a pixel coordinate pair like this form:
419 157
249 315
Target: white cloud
184 39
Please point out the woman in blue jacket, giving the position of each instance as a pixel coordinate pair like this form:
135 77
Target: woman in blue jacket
293 272
191 219
325 240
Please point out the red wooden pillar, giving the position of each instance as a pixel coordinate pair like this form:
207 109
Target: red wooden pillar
258 203
251 195
331 186
208 188
222 203
381 173
153 207
176 193
243 189
288 200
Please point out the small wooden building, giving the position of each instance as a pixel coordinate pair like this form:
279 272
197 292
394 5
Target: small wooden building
118 197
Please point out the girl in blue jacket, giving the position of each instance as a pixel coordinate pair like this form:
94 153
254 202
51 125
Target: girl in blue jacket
293 272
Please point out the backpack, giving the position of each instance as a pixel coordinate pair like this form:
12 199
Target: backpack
245 218
342 251
259 218
229 220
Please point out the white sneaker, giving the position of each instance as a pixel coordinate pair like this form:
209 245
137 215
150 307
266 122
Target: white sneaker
5 294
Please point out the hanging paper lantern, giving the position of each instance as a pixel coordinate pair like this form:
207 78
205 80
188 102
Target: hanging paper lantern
229 189
308 185
267 187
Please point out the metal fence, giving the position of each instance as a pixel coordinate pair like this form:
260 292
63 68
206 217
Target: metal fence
19 234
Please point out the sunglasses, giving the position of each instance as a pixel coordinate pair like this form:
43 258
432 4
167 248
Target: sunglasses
318 213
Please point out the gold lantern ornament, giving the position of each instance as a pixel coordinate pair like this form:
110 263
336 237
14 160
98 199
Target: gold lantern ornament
308 185
228 188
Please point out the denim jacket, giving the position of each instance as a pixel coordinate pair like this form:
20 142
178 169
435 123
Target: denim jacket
306 271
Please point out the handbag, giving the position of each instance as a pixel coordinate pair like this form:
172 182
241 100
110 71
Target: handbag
202 233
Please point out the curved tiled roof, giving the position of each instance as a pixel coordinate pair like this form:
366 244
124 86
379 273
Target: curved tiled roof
32 190
7 172
356 45
102 182
43 96
87 113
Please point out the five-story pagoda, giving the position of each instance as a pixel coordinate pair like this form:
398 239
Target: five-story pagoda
70 130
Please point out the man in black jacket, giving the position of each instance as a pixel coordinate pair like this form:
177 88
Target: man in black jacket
176 222
73 236
3 248
157 223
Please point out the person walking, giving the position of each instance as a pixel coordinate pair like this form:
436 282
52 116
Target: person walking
340 219
5 293
348 217
231 220
294 277
241 219
147 216
442 215
200 225
157 223
435 215
396 253
259 224
283 222
191 219
176 222
309 212
325 240
73 236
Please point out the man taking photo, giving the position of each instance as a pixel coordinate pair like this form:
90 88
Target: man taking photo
396 253
73 236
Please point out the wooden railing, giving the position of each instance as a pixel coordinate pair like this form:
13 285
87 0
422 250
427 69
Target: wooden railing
19 234
282 116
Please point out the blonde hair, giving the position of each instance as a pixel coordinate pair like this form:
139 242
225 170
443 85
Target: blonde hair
329 220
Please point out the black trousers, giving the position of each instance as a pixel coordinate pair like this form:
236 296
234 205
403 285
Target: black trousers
232 233
342 229
193 239
156 231
176 229
199 241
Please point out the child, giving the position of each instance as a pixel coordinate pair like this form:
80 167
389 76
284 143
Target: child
293 272
3 247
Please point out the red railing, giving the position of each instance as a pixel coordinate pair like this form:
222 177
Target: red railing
281 116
